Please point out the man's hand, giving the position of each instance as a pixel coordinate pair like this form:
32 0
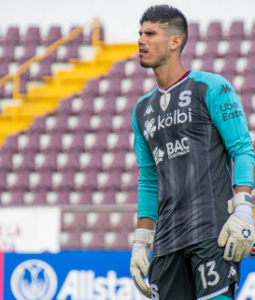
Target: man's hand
139 268
140 260
238 233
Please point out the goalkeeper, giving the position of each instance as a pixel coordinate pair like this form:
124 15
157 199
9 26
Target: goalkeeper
186 131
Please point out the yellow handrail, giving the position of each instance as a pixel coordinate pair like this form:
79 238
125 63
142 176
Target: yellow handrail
52 48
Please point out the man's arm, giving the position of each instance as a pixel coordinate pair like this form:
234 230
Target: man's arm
147 211
238 233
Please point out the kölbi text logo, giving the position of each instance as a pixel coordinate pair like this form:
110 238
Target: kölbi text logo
34 280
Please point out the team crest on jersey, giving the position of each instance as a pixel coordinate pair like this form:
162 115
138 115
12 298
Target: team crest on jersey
164 101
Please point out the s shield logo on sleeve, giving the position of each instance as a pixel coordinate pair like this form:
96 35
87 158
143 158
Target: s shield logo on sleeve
164 101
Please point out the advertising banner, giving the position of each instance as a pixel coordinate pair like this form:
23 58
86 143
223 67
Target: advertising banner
30 230
85 275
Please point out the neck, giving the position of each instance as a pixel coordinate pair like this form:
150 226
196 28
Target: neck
167 74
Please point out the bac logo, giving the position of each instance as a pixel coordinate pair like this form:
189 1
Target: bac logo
177 147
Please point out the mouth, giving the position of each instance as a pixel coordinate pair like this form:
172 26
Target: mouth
142 51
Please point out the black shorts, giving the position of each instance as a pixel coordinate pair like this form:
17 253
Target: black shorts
196 272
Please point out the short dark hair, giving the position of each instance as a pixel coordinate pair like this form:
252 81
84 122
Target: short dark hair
170 15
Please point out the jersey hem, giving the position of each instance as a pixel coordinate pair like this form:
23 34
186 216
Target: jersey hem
182 247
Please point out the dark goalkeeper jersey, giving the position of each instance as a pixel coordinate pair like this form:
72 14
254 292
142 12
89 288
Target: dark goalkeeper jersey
184 138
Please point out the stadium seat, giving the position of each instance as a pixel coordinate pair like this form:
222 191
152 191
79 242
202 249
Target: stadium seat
250 67
236 31
117 71
132 184
122 144
67 182
49 164
109 107
214 32
131 101
108 198
33 36
29 52
17 198
193 30
27 163
61 125
12 37
91 89
4 69
7 55
125 223
44 70
100 144
6 162
95 163
113 181
78 143
190 50
118 162
131 197
53 35
211 50
105 124
40 198
89 183
97 242
21 183
55 144
229 67
3 181
136 89
73 242
248 85
38 125
207 65
85 198
120 242
44 183
102 223
65 107
63 198
114 88
79 222
234 49
139 72
72 163
71 53
33 144
78 40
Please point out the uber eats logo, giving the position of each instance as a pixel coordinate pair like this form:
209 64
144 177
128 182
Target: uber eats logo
230 111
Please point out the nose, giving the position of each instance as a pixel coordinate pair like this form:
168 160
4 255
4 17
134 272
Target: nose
141 40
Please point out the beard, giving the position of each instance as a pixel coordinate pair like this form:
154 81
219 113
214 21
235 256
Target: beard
158 62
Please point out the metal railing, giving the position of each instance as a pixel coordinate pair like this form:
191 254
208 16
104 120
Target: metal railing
15 76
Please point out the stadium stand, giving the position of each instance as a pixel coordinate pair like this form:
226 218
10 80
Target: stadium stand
74 146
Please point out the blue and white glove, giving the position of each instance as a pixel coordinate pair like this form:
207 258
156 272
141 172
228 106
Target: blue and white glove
238 233
140 260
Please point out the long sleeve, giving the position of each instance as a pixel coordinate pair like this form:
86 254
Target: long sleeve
147 182
228 116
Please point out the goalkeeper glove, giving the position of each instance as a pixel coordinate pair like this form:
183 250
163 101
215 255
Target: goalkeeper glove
140 260
238 233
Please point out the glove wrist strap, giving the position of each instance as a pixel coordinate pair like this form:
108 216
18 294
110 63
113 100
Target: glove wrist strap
241 198
144 236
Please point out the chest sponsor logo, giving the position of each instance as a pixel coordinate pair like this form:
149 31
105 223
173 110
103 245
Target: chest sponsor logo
164 101
158 155
150 128
149 110
184 98
177 117
229 114
177 148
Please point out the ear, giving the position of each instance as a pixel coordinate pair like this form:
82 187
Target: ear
175 42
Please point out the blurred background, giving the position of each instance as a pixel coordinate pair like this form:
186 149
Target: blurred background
69 78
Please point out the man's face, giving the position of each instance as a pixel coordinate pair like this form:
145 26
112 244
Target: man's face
153 43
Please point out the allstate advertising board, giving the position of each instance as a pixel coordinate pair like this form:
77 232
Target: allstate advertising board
83 275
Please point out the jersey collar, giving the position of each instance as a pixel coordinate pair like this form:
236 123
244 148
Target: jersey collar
181 80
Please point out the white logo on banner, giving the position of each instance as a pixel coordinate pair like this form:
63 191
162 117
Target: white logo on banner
34 280
164 101
150 128
158 155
